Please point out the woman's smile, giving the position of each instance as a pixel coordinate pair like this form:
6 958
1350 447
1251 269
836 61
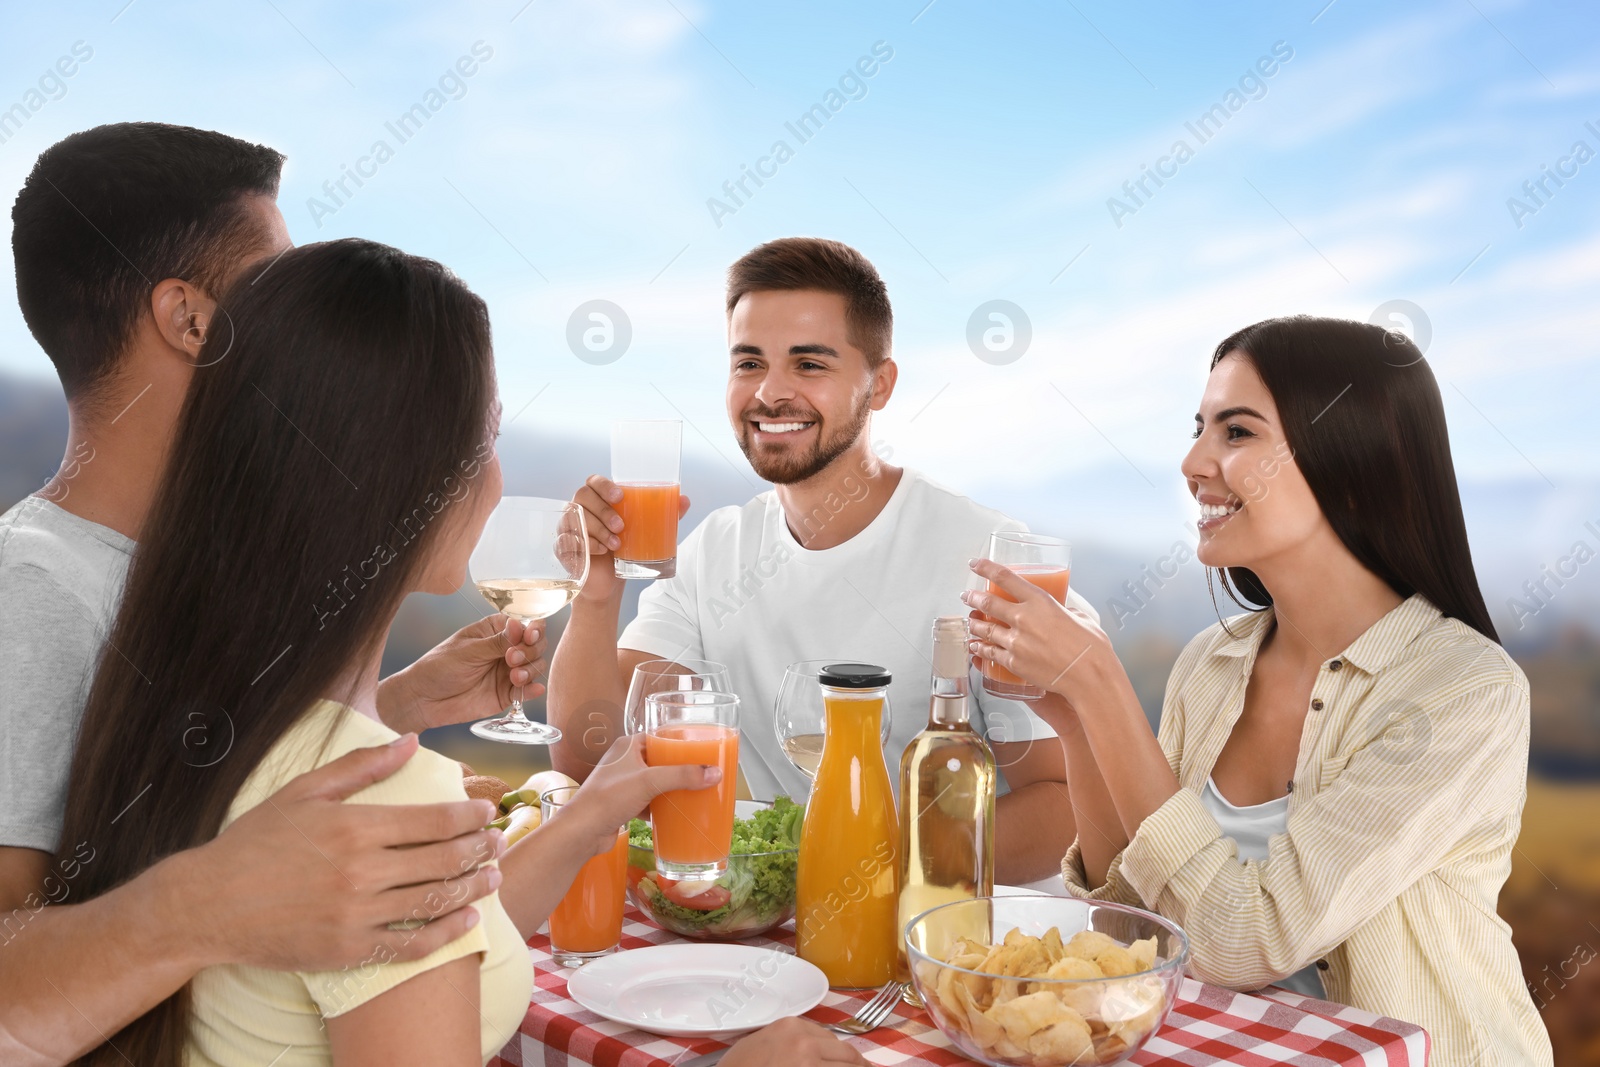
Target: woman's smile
1215 511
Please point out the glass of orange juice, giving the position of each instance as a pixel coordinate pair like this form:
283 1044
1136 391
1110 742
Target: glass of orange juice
693 828
644 464
1047 563
587 924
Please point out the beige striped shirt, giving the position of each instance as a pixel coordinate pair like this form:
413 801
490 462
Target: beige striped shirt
1406 801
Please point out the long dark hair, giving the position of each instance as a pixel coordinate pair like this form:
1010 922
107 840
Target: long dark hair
297 507
1362 415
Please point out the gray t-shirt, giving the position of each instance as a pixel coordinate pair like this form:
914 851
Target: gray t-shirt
60 582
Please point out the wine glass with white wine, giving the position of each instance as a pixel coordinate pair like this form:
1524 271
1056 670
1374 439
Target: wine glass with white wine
531 562
801 716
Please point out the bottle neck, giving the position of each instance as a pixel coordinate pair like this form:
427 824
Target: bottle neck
947 707
855 717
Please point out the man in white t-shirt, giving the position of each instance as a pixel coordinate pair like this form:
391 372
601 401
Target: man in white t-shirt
848 557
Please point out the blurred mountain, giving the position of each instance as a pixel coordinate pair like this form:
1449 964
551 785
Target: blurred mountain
33 435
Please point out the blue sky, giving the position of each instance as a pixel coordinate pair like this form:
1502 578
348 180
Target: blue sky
974 164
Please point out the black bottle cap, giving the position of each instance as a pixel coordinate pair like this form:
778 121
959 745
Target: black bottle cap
854 676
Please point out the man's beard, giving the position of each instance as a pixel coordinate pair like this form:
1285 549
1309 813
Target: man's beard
789 469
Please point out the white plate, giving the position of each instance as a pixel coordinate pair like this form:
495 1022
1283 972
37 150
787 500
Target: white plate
698 990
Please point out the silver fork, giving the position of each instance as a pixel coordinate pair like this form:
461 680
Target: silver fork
872 1013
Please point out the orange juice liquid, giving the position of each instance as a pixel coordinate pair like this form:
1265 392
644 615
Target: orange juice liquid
589 917
649 513
694 825
1052 580
847 886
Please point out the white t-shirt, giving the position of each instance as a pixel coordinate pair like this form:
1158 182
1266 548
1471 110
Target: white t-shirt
747 594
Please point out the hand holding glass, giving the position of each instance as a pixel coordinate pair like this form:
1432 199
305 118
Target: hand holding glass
693 828
1043 561
530 563
644 465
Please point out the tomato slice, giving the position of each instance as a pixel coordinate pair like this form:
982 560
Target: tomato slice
709 899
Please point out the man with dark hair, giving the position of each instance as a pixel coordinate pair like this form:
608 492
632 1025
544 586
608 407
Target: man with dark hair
123 235
846 556
108 213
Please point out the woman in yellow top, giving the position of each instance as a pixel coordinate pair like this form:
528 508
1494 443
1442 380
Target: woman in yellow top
338 456
1366 703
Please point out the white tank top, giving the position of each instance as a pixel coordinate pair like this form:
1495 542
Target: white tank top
1250 828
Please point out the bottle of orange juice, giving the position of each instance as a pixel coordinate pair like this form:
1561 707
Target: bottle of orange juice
848 882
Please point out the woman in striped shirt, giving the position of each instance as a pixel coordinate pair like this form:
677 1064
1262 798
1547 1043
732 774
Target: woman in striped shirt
1337 784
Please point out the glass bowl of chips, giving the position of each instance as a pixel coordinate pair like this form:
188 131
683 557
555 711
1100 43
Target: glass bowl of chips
1042 980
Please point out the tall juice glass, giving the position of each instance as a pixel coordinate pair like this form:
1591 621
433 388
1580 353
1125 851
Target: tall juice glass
847 886
644 463
1045 562
587 923
693 828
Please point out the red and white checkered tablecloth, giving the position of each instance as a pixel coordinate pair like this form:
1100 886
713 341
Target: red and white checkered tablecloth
1207 1025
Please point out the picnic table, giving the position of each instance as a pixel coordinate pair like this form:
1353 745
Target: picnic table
1207 1025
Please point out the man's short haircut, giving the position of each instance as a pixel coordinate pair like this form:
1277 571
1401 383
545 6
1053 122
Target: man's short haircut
793 263
109 212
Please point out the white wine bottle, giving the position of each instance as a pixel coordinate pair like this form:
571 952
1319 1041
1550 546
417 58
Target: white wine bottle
947 782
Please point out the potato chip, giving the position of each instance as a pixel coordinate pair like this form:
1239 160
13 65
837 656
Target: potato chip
960 1002
1144 953
1083 999
1009 1049
978 987
1116 961
944 988
1074 967
984 1030
1088 944
966 947
1053 947
1025 1016
1067 1041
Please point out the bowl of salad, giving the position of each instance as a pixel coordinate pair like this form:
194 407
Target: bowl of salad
755 895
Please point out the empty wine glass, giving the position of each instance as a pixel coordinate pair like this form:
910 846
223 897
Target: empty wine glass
801 717
667 676
531 562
